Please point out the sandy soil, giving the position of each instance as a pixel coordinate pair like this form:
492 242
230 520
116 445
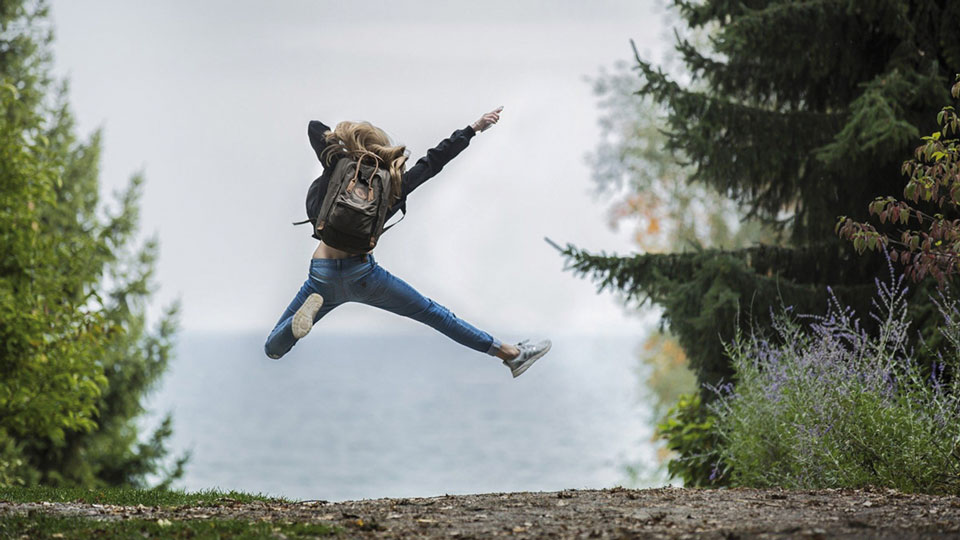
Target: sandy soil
611 513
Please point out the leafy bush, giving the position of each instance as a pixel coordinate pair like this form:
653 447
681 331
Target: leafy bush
830 405
690 431
13 468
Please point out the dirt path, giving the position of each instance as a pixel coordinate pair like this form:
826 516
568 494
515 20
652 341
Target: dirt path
612 513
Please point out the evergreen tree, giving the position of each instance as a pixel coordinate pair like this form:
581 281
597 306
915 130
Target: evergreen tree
799 112
76 355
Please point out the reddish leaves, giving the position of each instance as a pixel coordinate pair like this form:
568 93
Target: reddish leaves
928 245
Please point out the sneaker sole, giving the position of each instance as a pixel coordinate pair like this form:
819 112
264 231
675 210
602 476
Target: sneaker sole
303 318
526 365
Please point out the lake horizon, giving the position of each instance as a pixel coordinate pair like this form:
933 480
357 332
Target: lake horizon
353 416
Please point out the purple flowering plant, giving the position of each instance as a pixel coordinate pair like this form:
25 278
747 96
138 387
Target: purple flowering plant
829 404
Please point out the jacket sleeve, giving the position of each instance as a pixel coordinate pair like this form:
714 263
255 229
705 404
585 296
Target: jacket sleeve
315 131
432 163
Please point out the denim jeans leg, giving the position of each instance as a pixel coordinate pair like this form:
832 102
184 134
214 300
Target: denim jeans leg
281 339
395 295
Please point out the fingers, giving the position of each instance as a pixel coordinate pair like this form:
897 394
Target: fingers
490 118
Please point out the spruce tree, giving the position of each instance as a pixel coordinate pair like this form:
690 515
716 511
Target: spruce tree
800 112
76 354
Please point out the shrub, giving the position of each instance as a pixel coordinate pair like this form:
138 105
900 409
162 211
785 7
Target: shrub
828 405
13 468
690 431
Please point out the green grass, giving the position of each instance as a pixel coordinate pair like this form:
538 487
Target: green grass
40 525
128 496
37 525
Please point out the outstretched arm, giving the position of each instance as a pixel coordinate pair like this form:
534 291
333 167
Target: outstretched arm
438 156
316 131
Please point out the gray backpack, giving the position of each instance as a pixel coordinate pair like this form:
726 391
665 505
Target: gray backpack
351 215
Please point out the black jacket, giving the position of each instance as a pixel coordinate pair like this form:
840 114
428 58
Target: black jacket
425 167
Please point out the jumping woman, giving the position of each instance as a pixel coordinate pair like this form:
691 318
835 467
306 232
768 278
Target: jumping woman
337 276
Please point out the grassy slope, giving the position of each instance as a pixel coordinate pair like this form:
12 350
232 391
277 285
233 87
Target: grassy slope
126 496
39 525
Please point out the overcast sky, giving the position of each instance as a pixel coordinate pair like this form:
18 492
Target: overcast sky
211 101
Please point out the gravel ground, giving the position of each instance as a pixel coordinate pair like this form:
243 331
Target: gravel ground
610 513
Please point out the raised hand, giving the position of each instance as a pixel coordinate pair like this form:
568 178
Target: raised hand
487 120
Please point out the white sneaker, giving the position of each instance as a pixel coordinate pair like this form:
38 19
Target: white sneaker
528 355
303 318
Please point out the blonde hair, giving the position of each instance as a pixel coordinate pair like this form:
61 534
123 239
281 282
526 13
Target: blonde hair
355 139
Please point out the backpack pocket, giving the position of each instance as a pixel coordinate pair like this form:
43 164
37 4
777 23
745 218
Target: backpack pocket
361 220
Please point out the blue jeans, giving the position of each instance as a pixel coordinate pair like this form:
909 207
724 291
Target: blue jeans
361 279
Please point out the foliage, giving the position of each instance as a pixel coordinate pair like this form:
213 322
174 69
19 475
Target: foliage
932 246
711 290
797 112
690 432
50 341
649 188
831 405
76 356
666 371
651 193
13 468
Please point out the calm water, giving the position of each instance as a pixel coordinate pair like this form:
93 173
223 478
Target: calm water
350 417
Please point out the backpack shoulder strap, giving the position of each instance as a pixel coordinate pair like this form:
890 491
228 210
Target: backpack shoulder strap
403 214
